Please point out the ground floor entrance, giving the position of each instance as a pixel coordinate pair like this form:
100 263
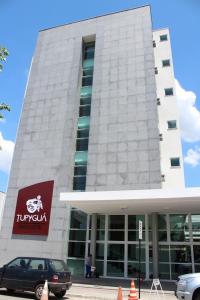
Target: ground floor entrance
172 241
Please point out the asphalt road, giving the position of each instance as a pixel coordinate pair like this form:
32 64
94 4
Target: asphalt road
24 296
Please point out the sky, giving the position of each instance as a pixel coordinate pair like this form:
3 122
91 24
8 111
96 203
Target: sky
20 22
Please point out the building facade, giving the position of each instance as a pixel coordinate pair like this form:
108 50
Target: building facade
100 121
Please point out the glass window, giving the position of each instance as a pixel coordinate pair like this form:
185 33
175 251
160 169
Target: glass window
84 110
116 222
133 252
164 271
162 227
83 133
87 80
163 253
133 270
196 228
37 264
88 63
83 122
115 269
88 72
116 235
175 162
89 52
77 235
133 221
99 267
80 170
180 254
58 265
81 157
18 263
171 124
79 183
86 91
166 62
178 227
78 219
169 92
100 222
82 144
85 100
99 251
76 249
76 266
100 235
115 252
163 37
180 269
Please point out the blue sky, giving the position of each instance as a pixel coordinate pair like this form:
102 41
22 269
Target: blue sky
21 20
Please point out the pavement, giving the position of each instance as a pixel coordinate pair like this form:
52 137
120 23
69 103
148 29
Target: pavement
102 289
107 289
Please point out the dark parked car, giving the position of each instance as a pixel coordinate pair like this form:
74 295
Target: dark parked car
30 273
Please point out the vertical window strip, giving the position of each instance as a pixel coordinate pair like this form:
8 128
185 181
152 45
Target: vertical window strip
83 126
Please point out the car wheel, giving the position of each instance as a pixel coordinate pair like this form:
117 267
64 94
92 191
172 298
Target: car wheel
197 296
10 291
38 291
60 294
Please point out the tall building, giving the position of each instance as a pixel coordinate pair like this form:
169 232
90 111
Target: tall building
98 150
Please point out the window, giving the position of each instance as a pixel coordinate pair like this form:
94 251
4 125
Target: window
156 70
82 144
80 170
37 264
79 183
85 100
169 92
163 37
81 158
154 44
87 80
86 91
175 162
83 133
171 124
83 122
160 137
166 63
84 110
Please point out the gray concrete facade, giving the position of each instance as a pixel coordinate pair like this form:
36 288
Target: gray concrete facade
124 138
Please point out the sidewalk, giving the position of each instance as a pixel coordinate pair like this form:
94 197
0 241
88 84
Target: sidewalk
107 289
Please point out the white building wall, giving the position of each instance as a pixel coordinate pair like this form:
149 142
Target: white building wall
170 144
2 203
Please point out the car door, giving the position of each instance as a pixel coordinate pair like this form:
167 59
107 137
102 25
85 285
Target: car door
37 271
14 273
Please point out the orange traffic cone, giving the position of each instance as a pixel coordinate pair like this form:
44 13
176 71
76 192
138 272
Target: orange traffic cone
119 295
45 292
132 295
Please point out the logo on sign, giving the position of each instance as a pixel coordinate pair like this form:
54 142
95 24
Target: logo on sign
33 209
34 204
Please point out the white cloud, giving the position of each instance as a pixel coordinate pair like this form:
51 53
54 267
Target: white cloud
193 157
6 153
189 114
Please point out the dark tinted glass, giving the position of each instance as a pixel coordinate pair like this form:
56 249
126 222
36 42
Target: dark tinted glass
83 133
169 92
82 144
86 80
80 170
84 110
79 183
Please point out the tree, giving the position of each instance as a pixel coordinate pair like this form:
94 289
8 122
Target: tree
3 54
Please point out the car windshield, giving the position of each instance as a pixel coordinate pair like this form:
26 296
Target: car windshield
58 265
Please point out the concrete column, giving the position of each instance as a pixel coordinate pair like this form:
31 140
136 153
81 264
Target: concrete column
155 244
93 238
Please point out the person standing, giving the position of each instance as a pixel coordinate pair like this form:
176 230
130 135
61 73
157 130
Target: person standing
88 265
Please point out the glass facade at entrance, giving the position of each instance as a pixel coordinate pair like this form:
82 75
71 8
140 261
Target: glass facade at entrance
117 244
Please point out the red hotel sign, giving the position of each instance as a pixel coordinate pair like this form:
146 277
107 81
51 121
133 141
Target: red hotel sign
32 214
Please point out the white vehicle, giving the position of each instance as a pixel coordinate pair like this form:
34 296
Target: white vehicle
188 287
